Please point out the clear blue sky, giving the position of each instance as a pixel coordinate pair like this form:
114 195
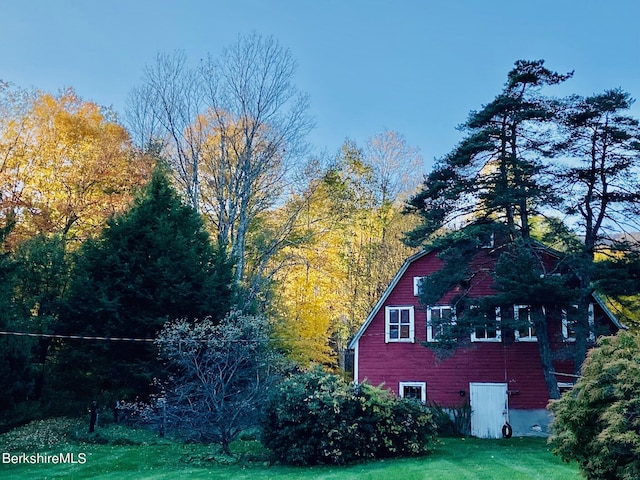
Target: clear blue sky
414 66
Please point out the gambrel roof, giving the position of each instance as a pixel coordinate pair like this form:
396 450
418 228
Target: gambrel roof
410 260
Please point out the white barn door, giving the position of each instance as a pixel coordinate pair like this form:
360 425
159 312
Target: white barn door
488 409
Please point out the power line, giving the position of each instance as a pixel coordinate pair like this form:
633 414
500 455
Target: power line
78 337
140 340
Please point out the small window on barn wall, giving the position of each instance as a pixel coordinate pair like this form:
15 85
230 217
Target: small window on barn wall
487 241
438 318
414 390
565 386
417 286
488 332
525 330
569 324
399 324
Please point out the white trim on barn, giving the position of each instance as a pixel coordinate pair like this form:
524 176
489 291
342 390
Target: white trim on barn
385 295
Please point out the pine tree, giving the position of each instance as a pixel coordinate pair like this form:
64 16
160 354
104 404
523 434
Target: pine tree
495 172
601 189
493 183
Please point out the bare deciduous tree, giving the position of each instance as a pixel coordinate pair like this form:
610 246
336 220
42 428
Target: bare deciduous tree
397 166
233 129
163 115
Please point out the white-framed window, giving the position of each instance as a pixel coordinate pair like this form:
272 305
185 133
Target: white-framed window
437 319
414 390
568 328
525 330
568 324
488 242
399 324
565 386
490 332
417 285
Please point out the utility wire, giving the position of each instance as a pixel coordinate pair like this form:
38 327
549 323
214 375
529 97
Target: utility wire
77 337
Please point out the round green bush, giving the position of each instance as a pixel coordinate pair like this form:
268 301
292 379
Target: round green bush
597 424
319 418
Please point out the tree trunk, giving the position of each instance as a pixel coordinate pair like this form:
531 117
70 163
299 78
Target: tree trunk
546 355
40 355
224 443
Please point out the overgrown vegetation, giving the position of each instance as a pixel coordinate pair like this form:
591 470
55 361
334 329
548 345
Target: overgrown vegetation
454 421
319 418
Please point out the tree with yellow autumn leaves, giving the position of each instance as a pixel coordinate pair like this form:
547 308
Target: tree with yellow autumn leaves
352 227
65 165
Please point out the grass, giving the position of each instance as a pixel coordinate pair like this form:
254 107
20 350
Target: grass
133 455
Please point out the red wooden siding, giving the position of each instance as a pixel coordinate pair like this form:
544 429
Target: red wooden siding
515 363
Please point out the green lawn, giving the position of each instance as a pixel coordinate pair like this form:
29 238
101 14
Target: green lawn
453 458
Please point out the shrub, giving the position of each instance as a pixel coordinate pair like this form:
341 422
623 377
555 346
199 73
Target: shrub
597 423
452 421
317 417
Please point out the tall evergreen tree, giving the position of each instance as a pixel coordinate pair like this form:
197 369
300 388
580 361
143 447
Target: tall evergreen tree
495 172
41 278
150 264
493 183
602 190
15 373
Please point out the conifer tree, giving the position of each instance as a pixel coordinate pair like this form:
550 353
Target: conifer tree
495 172
151 264
492 183
15 376
601 188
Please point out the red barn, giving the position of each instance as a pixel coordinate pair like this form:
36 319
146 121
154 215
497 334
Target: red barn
499 373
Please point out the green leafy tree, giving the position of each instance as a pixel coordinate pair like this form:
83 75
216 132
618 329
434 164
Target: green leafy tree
151 264
597 423
345 250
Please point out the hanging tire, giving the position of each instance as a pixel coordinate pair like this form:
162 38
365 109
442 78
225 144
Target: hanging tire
507 431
